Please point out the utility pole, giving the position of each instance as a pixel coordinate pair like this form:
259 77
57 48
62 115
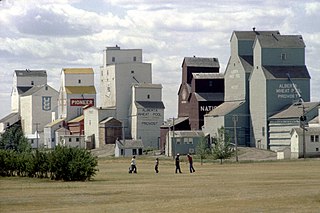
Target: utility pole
167 141
303 126
235 120
174 153
37 138
123 132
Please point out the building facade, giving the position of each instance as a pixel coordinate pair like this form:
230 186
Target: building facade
50 140
177 124
279 71
309 139
23 80
69 140
8 121
147 114
121 69
201 89
38 105
110 130
234 113
266 72
183 142
125 148
76 125
93 116
282 123
207 93
76 91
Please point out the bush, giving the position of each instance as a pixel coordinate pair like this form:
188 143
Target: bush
72 164
63 163
8 162
25 164
41 164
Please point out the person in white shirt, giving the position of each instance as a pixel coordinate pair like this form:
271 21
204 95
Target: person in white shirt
133 165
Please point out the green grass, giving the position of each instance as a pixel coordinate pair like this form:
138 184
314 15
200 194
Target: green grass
281 186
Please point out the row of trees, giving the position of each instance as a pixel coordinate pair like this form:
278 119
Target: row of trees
221 148
63 163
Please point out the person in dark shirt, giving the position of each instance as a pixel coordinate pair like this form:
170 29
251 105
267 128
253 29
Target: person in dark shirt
190 163
178 164
156 166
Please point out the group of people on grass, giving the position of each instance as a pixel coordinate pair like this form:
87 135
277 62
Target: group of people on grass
133 165
177 163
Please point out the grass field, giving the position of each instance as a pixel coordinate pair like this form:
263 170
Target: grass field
282 186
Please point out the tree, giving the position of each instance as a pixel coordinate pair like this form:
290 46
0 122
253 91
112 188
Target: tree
202 149
14 139
72 164
221 145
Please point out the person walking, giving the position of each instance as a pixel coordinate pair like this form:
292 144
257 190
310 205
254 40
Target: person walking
133 165
190 160
156 166
177 161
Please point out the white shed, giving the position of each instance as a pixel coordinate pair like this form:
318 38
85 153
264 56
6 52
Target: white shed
312 142
50 141
284 153
128 148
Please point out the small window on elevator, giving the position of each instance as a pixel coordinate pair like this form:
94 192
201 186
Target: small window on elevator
32 82
283 56
134 58
79 81
113 59
148 96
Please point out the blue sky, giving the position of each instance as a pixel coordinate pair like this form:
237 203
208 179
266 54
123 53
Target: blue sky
54 34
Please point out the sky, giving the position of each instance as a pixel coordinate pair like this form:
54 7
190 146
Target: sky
56 34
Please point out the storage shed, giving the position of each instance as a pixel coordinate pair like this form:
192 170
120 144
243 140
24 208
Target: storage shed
128 148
